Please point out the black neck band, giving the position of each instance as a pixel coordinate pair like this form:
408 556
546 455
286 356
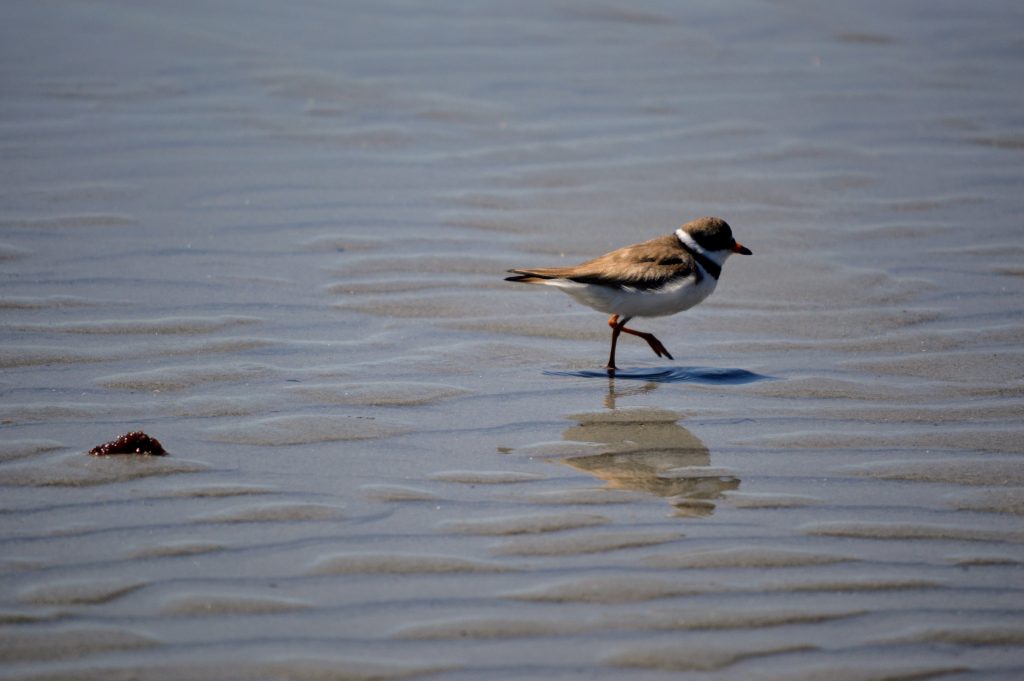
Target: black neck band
709 265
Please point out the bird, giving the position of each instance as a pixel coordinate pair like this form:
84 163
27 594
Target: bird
655 278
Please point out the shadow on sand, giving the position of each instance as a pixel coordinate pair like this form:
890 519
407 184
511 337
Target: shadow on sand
707 375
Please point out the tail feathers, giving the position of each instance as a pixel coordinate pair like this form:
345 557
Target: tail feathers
530 276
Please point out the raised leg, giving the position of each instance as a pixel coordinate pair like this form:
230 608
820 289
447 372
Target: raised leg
620 326
655 344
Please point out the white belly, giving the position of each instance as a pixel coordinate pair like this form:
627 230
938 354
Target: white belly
629 302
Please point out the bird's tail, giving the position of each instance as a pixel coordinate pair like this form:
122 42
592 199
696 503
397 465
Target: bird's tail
530 276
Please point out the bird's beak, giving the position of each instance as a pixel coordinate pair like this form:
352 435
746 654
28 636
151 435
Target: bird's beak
741 249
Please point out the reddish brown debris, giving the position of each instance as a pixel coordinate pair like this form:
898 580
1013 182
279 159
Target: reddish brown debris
130 443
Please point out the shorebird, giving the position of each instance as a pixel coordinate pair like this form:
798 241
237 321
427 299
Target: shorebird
654 278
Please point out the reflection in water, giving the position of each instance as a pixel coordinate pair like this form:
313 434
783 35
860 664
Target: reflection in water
614 393
648 451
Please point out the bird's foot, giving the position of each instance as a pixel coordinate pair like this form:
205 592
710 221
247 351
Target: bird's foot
656 345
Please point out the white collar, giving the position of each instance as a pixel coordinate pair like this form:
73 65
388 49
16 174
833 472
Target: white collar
690 242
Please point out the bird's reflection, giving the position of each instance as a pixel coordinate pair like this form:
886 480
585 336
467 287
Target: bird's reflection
615 392
648 451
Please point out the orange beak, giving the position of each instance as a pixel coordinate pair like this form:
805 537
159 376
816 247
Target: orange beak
741 249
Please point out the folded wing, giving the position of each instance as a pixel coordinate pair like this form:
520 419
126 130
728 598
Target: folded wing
648 265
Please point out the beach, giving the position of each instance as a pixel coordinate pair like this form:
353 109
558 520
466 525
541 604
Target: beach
274 236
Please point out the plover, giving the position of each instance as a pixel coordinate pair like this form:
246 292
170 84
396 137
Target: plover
655 278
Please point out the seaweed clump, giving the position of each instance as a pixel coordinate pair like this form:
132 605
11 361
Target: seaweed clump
135 442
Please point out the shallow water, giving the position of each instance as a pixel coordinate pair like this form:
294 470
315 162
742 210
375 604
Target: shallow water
274 237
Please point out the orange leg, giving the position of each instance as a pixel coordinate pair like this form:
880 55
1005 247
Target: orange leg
617 327
620 326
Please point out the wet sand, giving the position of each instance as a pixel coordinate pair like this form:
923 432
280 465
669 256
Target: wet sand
273 237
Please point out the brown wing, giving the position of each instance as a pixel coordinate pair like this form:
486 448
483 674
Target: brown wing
646 265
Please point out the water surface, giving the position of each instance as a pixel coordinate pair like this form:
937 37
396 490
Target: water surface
273 236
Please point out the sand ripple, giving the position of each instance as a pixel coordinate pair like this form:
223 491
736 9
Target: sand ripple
581 544
906 531
278 431
1003 500
196 605
398 493
400 563
391 394
155 326
66 642
486 477
23 449
272 512
84 592
77 470
968 471
525 524
744 557
183 377
624 589
316 666
698 657
175 549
